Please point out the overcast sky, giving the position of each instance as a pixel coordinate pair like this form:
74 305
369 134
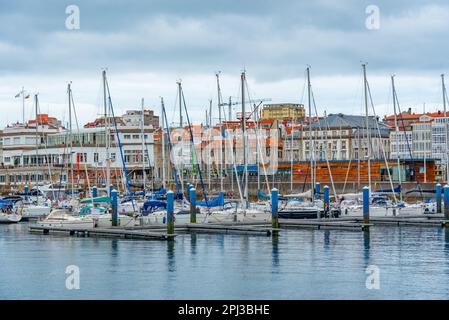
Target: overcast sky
148 45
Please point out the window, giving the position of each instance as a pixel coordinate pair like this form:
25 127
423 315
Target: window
7 159
136 136
113 157
81 157
127 136
96 157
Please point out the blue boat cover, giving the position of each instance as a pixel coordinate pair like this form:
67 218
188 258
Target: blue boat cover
152 204
395 190
215 202
262 195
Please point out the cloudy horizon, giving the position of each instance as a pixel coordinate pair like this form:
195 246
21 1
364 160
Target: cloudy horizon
147 46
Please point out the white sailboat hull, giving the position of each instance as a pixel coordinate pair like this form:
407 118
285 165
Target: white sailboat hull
9 217
34 212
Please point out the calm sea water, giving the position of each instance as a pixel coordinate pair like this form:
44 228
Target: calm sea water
299 264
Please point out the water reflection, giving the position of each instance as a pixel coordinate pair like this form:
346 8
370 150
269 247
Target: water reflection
193 244
275 249
366 246
326 239
446 240
171 255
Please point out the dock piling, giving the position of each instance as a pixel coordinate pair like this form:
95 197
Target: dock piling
192 194
94 192
110 188
446 202
317 190
438 195
366 196
170 213
326 200
114 196
274 208
25 190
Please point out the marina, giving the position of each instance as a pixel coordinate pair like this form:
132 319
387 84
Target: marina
298 264
223 159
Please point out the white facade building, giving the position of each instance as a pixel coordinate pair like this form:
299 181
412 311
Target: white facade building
51 154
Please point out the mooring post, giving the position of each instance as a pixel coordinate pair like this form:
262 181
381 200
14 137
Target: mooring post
326 201
111 187
366 197
438 193
25 190
192 194
317 190
170 212
446 202
114 196
274 208
94 192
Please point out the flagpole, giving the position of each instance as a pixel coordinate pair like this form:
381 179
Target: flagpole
23 105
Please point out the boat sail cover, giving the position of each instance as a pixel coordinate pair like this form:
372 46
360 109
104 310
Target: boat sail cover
262 195
215 202
103 199
307 194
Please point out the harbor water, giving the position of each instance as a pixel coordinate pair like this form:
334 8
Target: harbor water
413 263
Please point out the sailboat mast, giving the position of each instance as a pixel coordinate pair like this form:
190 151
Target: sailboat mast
107 137
397 133
218 96
69 93
220 105
445 127
180 125
209 164
142 131
368 135
230 109
163 142
245 160
180 103
425 151
36 138
312 151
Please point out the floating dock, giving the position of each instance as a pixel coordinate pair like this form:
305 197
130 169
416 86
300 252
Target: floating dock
112 232
323 224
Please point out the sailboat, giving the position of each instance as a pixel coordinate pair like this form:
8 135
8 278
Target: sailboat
380 204
305 205
7 212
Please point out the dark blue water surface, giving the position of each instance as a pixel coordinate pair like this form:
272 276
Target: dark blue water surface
299 264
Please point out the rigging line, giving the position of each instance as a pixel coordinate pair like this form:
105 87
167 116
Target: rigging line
231 145
42 136
256 109
321 130
63 166
175 107
259 151
380 142
194 150
418 184
125 171
81 144
171 153
303 93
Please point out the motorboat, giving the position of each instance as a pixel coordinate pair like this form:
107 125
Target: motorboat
61 218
